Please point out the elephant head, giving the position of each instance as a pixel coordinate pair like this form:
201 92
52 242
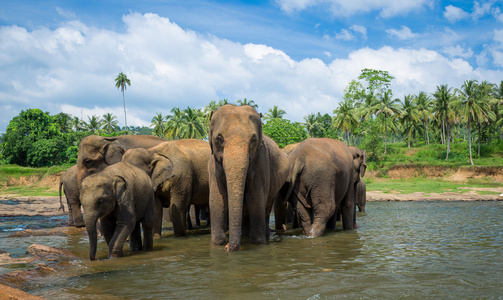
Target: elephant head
96 153
235 136
359 162
100 196
141 158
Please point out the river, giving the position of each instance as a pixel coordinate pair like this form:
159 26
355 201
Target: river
412 250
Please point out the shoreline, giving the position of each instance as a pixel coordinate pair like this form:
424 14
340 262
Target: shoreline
12 206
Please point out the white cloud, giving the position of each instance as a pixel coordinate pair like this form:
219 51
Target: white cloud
344 35
458 51
454 14
360 29
498 36
386 8
498 15
403 34
480 10
72 69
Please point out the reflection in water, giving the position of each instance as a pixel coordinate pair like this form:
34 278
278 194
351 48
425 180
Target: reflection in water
402 249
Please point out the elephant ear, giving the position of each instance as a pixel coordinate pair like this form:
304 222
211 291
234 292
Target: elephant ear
162 169
120 187
112 151
364 164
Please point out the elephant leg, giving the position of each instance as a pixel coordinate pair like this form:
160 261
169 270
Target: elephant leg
70 214
197 210
108 226
158 211
323 199
303 213
135 238
124 228
218 208
147 224
179 208
348 209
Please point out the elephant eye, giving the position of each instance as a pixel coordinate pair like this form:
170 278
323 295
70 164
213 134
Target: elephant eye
220 139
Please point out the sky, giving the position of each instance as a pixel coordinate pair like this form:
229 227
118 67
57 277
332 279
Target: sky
63 56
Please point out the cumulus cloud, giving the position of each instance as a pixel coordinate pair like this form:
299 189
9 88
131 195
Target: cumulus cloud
360 29
344 35
403 34
454 14
386 8
72 69
458 51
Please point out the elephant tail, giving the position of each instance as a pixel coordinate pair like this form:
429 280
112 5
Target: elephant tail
61 206
293 180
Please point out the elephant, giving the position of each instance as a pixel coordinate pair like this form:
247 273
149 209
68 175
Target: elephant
289 148
121 197
68 182
246 171
97 152
321 180
361 195
179 174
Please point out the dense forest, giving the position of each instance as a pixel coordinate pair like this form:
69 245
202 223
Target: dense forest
451 124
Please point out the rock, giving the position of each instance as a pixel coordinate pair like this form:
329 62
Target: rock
5 259
7 292
49 253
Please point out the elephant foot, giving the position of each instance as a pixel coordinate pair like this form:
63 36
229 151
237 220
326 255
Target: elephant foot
355 226
157 236
231 249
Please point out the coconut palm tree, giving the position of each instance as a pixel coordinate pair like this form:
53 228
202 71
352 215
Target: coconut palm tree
64 122
192 124
387 109
498 94
121 81
486 99
409 116
471 107
311 124
158 121
174 124
424 108
247 102
93 124
274 113
76 124
345 118
109 123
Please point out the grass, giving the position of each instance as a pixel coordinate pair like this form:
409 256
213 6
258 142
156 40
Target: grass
428 186
27 191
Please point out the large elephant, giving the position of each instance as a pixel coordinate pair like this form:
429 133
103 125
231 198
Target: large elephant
321 180
121 196
179 173
246 170
97 152
68 181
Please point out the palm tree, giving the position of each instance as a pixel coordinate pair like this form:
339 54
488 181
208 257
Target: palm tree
311 124
442 107
385 108
471 107
76 124
409 116
120 82
158 121
174 124
193 124
93 125
485 95
498 94
109 123
345 118
64 122
424 108
247 102
274 113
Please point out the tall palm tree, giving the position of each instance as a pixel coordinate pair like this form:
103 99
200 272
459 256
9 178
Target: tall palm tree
193 124
409 116
121 81
93 124
498 106
76 124
345 118
247 102
64 122
386 108
485 95
424 108
174 124
158 121
471 107
311 124
109 123
442 107
274 113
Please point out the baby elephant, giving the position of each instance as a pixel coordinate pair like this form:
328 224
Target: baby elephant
121 196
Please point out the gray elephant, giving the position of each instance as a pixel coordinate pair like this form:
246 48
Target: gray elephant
246 170
321 180
121 197
68 182
179 173
97 152
361 195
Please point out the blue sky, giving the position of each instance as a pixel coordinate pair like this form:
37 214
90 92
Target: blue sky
300 55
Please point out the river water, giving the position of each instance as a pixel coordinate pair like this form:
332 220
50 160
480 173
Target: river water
412 250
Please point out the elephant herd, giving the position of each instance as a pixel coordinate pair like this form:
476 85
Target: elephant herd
239 174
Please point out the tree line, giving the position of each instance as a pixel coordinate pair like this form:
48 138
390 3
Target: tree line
368 117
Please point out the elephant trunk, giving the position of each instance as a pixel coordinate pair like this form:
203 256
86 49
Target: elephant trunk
93 236
235 165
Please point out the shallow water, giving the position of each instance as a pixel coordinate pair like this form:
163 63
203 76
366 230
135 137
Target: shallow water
413 250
